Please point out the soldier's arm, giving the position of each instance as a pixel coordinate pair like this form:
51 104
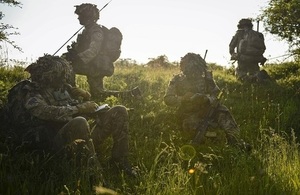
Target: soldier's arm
235 41
39 108
233 44
171 98
94 47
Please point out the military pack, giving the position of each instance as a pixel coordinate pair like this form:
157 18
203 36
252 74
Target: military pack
252 44
112 42
15 110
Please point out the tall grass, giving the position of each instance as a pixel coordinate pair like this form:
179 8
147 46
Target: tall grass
267 115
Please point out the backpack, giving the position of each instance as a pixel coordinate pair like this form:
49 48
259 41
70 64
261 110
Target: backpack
112 42
252 44
15 109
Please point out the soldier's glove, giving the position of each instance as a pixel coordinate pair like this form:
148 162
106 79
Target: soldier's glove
234 56
200 99
87 107
79 93
73 56
187 97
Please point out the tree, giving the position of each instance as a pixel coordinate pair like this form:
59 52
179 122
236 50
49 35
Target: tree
4 28
160 61
282 18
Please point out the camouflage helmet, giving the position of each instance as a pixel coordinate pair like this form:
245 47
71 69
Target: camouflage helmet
192 61
48 69
87 10
245 22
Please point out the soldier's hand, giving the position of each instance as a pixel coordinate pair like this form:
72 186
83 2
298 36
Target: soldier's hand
87 107
200 99
234 56
72 56
78 92
187 97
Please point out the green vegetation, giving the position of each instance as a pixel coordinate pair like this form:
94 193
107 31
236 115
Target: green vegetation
268 116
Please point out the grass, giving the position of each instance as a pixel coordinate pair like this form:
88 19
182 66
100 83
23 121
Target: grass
267 114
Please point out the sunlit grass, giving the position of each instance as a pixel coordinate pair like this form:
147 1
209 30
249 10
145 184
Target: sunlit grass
267 115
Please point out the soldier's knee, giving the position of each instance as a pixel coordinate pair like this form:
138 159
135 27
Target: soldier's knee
120 110
80 123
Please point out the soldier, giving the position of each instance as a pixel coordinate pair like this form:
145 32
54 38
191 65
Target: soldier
247 47
193 92
87 56
57 114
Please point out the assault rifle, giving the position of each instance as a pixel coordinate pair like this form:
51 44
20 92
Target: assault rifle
204 124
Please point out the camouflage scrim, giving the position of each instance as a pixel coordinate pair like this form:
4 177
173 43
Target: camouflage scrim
48 69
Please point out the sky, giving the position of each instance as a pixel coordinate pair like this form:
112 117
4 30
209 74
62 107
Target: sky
150 28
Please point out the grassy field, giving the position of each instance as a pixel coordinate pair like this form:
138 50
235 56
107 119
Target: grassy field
268 116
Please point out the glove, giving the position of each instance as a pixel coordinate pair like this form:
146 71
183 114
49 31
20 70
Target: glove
200 99
78 92
234 56
73 57
187 97
87 107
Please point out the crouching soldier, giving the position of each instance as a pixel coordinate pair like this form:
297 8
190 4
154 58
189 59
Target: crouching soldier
195 94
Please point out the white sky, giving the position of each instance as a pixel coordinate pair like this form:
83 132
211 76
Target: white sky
150 27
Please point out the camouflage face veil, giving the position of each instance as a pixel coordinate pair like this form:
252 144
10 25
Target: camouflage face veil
49 69
192 63
88 11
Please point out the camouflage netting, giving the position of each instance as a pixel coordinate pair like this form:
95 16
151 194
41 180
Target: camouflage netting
48 68
192 60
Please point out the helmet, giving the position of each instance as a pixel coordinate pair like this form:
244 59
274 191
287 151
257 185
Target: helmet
192 62
88 11
49 69
245 22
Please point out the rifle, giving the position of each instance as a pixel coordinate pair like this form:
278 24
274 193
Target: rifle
78 31
204 124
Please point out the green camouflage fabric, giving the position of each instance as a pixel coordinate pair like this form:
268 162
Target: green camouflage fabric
57 120
189 113
89 42
57 109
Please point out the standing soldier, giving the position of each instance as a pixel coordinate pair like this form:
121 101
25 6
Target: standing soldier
87 55
53 115
247 47
194 92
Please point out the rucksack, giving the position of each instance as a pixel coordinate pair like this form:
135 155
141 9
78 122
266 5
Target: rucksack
15 109
252 44
112 42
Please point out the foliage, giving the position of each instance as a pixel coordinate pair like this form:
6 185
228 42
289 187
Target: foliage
160 61
267 115
282 18
4 28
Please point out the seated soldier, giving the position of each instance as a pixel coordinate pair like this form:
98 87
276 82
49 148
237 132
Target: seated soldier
194 93
56 114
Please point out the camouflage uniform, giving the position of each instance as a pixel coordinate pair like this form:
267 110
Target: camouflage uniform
183 87
57 117
248 66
